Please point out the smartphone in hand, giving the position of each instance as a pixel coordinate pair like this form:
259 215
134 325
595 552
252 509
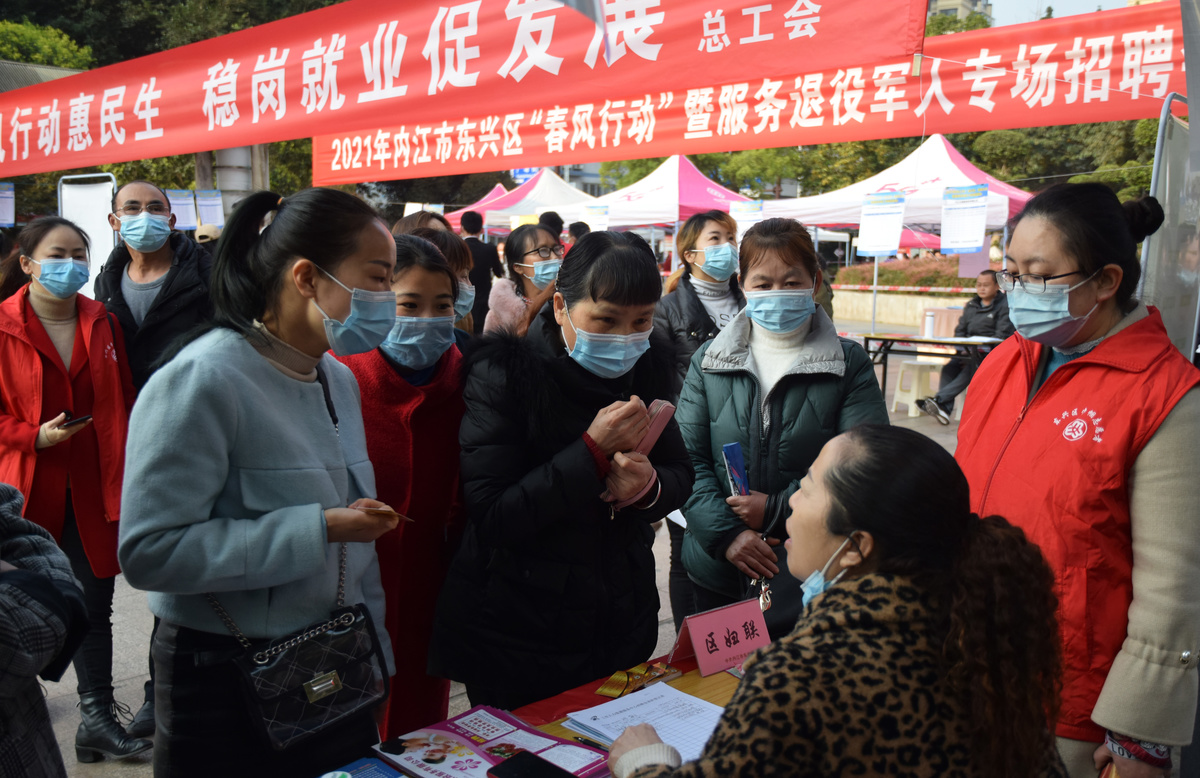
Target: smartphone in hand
76 422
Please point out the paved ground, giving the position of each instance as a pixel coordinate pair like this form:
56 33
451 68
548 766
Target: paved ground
132 622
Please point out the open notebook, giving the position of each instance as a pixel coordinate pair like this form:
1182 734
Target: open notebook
682 720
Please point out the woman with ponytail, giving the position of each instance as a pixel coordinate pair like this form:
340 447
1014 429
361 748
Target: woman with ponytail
1081 429
928 644
247 470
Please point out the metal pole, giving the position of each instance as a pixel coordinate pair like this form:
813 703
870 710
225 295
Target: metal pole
1155 174
874 294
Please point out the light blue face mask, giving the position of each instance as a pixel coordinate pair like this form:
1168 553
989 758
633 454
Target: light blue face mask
465 300
372 315
62 277
780 311
145 232
544 272
720 262
1046 318
417 342
608 356
816 584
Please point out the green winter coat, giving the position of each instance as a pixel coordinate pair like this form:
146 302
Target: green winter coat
830 388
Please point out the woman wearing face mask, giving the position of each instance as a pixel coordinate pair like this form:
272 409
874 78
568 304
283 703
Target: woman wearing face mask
779 382
246 471
1082 430
63 358
458 256
533 255
554 583
412 398
928 646
702 299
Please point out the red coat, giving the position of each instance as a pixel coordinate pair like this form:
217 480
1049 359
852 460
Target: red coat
1059 469
35 386
412 439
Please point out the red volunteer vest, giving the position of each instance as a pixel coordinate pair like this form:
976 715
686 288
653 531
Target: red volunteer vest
1058 467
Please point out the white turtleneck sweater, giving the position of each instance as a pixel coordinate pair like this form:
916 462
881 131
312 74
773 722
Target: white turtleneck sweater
60 319
717 299
774 353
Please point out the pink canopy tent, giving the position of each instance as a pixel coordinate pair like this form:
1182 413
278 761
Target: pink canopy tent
455 217
915 239
675 190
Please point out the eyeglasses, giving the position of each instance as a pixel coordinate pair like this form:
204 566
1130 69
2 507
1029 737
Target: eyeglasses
155 209
1030 282
545 252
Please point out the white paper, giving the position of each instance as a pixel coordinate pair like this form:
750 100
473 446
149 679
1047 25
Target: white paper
183 205
209 207
880 225
596 217
682 720
8 205
678 518
747 214
964 219
569 758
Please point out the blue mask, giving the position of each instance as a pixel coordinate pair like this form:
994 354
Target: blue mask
465 300
145 232
62 277
372 315
608 356
1046 318
816 584
544 272
418 342
720 262
780 311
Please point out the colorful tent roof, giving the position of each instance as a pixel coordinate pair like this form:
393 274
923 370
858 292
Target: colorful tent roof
922 176
454 217
546 191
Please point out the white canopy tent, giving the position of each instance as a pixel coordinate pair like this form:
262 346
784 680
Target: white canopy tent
546 191
923 176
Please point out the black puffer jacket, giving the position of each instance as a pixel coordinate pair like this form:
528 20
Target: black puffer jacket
549 590
182 303
681 317
990 322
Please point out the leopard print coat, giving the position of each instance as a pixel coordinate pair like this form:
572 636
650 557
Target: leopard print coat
855 689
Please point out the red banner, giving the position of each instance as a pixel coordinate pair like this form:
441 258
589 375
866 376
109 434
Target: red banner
367 62
1092 67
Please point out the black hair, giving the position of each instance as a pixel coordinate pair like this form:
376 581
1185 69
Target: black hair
117 191
617 267
321 225
519 241
578 229
454 249
417 220
990 273
553 221
471 222
419 251
1097 229
12 277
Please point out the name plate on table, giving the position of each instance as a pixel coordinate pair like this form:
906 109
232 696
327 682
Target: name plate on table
722 637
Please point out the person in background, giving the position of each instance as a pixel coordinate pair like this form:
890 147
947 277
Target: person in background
927 646
207 236
1081 430
412 394
61 358
43 619
553 585
575 231
418 220
984 315
533 256
156 283
705 299
666 247
455 252
552 222
779 382
486 266
246 471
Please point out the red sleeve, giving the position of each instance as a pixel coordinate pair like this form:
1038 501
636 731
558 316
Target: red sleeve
603 466
122 364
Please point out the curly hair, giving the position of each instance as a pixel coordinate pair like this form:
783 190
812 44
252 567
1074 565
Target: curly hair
994 590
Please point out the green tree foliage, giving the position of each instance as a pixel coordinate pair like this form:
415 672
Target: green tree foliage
942 24
38 45
453 192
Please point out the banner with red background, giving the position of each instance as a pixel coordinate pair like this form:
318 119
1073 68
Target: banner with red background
368 63
1094 67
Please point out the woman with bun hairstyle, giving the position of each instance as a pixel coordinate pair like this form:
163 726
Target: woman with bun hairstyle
533 255
247 477
412 398
927 646
62 357
1081 430
553 585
